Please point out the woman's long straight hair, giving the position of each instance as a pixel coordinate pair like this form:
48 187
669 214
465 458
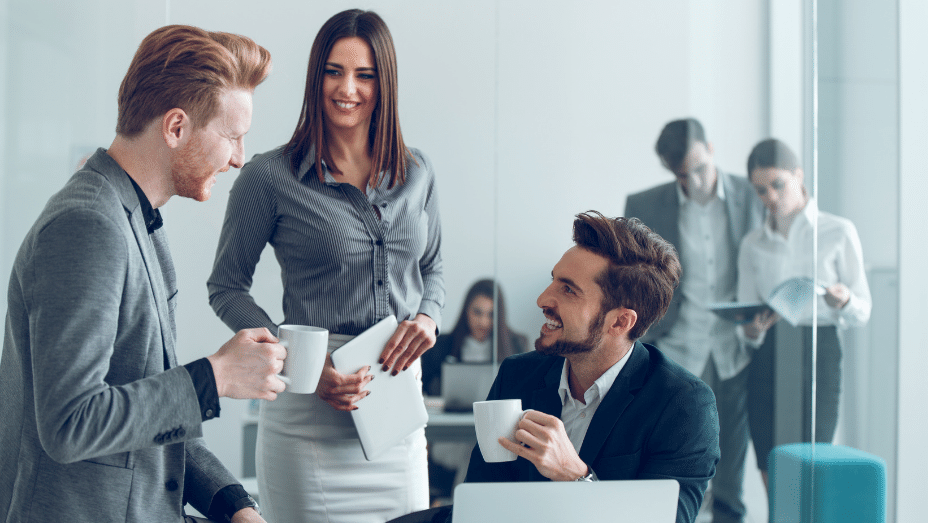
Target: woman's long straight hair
388 152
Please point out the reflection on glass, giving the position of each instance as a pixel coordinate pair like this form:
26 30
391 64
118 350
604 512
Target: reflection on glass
460 369
704 214
480 332
831 290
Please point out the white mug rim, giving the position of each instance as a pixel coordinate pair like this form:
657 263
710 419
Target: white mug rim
302 328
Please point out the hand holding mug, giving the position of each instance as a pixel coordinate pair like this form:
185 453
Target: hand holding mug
542 439
246 366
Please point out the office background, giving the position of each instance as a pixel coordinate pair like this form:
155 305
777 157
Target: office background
533 111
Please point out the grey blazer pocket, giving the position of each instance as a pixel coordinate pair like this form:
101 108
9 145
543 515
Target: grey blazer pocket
624 466
82 491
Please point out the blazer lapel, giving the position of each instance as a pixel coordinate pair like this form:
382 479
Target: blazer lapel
610 410
735 205
670 214
545 399
117 177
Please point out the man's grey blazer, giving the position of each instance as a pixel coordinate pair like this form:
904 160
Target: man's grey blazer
94 428
659 209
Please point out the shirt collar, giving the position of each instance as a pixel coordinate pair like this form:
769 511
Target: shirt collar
719 189
599 388
151 216
306 167
805 218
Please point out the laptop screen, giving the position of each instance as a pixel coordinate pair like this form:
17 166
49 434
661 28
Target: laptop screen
633 501
464 383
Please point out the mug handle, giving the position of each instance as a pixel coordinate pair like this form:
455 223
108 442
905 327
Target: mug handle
281 377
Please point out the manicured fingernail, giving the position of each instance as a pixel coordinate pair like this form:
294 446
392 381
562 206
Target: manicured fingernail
385 368
406 367
395 372
372 377
380 360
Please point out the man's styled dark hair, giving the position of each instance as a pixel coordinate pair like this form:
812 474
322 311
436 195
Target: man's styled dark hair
643 267
772 153
676 139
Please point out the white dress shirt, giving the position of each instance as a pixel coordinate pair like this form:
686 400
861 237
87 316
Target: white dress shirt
473 351
767 258
575 414
707 256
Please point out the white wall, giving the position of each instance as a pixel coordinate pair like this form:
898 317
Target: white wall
531 112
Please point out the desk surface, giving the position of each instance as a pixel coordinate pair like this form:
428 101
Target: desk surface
452 419
451 426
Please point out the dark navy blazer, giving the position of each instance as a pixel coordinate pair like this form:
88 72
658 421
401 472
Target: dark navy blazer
657 421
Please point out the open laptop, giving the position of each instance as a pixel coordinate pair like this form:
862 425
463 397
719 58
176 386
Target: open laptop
632 501
464 383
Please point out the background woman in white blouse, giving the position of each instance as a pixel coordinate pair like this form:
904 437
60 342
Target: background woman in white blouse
782 249
352 216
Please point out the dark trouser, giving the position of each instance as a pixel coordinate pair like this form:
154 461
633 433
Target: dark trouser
731 400
761 406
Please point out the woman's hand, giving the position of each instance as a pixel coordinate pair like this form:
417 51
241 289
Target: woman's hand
342 391
411 340
837 295
762 321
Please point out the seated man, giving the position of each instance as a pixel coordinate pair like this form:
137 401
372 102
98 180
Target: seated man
606 406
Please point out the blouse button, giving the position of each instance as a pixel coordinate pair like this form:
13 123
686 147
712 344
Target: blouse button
379 282
379 243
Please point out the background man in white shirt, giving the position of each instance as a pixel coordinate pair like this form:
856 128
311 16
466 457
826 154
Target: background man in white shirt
705 213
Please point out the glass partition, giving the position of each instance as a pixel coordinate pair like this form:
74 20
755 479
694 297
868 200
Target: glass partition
533 112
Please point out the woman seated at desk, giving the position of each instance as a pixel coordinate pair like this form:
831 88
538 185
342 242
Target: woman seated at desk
471 341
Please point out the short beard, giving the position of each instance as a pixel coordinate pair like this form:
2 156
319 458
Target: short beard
563 348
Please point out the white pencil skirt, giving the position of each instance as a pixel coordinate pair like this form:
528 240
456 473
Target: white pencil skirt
311 468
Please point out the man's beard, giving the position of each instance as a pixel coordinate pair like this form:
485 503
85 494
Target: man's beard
191 178
563 347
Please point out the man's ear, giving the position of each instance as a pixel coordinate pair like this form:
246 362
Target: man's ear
175 126
623 320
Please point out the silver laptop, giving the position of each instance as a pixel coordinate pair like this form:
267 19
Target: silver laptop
464 383
632 501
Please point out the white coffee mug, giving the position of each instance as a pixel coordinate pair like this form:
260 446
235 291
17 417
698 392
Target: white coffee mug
496 419
307 348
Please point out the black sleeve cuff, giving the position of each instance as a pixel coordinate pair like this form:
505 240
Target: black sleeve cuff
223 506
201 372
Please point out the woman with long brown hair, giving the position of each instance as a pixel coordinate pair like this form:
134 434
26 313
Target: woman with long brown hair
352 216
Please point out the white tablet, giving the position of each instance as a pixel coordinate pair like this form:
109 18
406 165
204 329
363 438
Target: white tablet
395 407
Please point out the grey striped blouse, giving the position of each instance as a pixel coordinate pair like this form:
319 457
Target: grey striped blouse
343 267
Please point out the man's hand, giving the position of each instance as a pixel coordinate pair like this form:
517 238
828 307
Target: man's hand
546 445
246 367
342 391
411 340
247 515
